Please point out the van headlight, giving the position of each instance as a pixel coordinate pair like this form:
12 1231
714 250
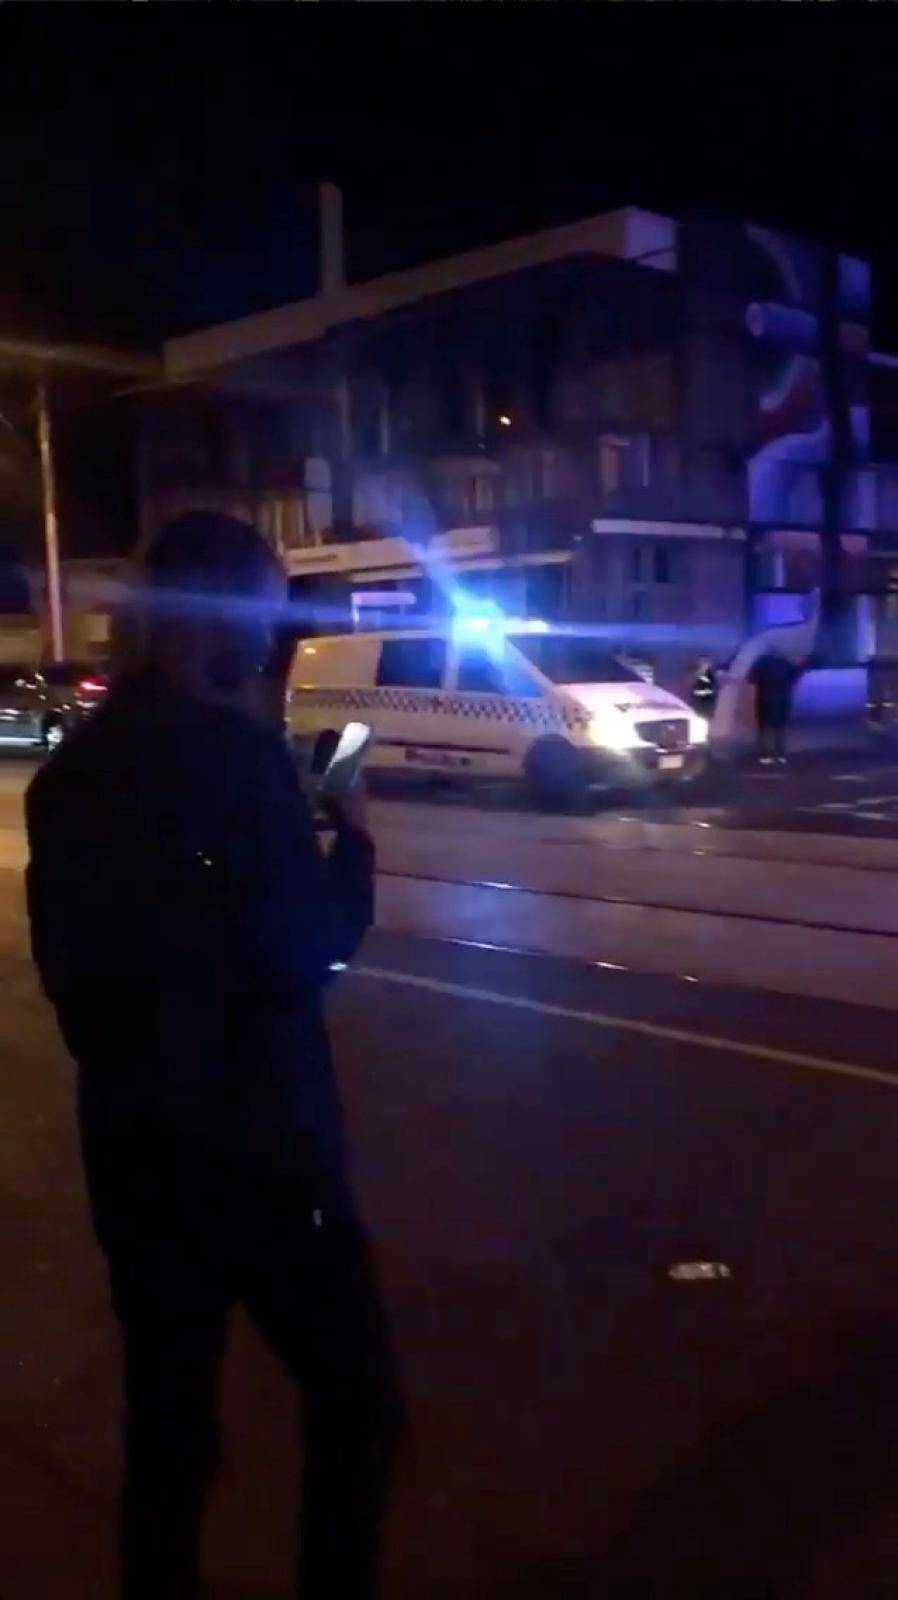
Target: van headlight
611 732
698 730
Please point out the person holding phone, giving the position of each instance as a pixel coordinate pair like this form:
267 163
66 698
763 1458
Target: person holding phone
185 925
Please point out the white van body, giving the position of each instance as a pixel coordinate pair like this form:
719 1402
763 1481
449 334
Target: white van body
482 702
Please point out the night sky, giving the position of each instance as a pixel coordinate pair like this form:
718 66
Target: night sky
158 164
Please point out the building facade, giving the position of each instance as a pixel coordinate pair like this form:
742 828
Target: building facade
625 421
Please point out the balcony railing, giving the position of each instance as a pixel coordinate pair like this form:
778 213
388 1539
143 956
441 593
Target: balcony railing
170 473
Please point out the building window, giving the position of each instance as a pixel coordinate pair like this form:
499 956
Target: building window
483 496
467 498
657 580
546 350
366 399
625 462
555 477
534 475
451 390
656 561
636 389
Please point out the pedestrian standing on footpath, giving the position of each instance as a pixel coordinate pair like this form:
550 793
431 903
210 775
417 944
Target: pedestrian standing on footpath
185 924
774 678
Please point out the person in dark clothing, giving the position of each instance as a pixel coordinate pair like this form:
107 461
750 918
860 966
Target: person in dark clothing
185 925
774 678
704 689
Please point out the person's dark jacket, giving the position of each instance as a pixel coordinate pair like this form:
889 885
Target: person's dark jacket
184 924
774 678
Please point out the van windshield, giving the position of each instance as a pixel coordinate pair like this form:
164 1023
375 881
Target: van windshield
570 658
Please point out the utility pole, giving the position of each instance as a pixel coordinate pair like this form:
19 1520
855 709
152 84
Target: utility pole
34 362
51 521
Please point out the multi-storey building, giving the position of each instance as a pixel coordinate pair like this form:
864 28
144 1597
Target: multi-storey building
623 420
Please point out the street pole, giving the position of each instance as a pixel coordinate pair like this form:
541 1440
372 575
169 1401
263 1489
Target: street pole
835 602
751 549
341 464
51 521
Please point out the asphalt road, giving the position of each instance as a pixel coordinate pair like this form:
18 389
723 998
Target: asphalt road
853 791
537 1143
847 791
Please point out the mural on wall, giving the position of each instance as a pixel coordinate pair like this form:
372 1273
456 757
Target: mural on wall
784 480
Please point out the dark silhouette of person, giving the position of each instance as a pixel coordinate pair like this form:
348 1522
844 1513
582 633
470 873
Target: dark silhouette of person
774 678
184 924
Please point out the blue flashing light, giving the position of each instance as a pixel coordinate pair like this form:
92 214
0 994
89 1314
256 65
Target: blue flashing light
483 626
526 625
491 627
465 625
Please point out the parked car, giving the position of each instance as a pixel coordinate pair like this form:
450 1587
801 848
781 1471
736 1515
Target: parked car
39 705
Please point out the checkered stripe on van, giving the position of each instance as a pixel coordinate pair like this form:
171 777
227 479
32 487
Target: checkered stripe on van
535 713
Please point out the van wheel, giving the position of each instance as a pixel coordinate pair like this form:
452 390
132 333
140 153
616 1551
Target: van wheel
53 733
323 749
554 772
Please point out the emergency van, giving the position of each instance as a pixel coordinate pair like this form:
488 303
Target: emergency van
487 700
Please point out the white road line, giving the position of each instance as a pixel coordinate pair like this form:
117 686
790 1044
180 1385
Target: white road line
850 806
652 1030
832 805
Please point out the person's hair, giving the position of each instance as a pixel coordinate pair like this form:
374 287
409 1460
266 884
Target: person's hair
206 574
208 552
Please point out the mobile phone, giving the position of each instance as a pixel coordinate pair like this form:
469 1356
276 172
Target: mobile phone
344 768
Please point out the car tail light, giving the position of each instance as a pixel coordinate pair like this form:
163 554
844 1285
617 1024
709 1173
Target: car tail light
92 686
